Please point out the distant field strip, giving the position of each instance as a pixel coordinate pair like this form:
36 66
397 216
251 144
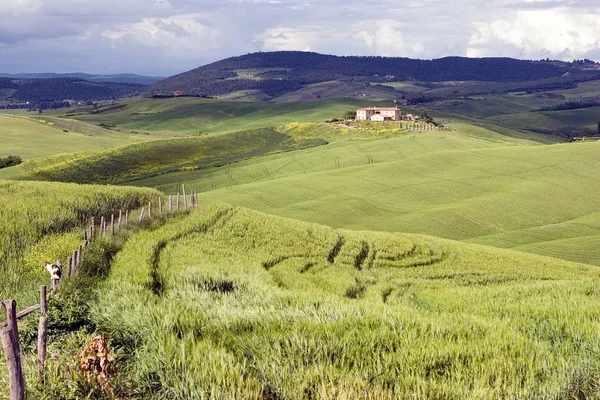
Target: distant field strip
194 115
122 164
265 307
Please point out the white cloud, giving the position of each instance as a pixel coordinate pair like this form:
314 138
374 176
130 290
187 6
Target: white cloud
557 32
177 34
386 39
284 38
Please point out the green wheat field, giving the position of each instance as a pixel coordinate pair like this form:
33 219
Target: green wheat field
324 261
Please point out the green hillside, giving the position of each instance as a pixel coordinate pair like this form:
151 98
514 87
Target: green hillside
33 137
443 184
135 161
196 115
230 303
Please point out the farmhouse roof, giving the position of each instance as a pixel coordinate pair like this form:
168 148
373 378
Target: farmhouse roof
379 108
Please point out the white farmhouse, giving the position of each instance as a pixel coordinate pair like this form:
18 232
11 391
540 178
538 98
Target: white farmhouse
379 114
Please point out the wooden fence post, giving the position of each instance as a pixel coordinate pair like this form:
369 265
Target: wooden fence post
85 238
79 250
112 224
69 266
142 215
119 220
149 210
160 206
177 201
42 333
184 198
126 218
102 226
9 334
170 204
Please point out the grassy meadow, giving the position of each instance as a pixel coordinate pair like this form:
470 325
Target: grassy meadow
44 221
231 303
33 137
191 115
460 263
122 164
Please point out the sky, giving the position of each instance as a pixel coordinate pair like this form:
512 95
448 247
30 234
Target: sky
166 37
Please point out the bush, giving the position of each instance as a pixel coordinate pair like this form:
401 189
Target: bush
10 161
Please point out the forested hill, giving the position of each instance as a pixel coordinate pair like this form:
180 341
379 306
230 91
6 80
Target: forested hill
59 89
278 73
117 78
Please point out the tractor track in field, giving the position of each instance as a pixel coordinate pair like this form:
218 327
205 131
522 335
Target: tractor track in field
336 249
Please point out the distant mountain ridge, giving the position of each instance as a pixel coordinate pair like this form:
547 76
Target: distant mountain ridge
23 93
271 75
117 78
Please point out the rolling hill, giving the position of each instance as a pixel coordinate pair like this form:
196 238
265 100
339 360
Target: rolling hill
273 75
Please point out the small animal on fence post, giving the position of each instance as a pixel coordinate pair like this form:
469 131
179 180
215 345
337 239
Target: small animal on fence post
112 224
42 333
55 272
9 335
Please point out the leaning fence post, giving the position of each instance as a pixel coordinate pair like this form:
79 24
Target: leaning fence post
149 210
126 218
42 333
142 215
9 334
184 198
